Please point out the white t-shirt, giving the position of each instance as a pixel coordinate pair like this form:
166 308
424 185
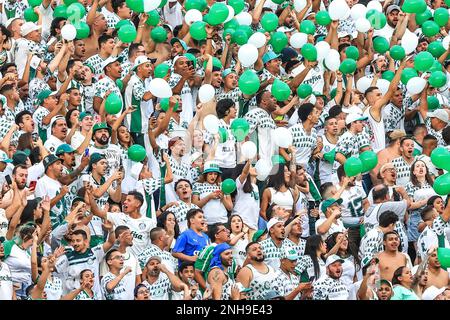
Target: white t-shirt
47 186
339 227
52 144
377 133
247 205
6 282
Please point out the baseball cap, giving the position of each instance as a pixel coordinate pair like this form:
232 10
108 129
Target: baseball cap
64 148
332 259
140 60
432 292
381 281
269 55
168 26
183 44
4 157
441 114
28 27
289 253
329 202
342 34
391 8
95 157
273 222
154 258
83 115
44 94
227 72
49 160
108 61
352 117
288 54
10 21
367 260
99 126
173 141
194 156
397 134
20 157
211 166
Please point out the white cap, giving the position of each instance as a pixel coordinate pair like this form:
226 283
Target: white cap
10 21
432 292
108 61
441 114
273 222
352 117
195 156
28 27
140 60
332 259
344 34
285 29
135 170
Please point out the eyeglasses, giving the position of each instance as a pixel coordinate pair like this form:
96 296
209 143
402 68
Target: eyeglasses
118 258
390 169
224 229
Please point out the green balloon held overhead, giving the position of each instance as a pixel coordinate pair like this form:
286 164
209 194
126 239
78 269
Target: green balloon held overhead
228 32
280 90
197 30
247 29
370 13
158 34
232 24
414 6
407 74
127 33
348 66
35 3
122 23
164 104
153 18
30 16
323 18
216 63
237 5
75 12
218 13
308 27
304 90
436 66
269 21
83 30
441 16
249 82
113 104
352 52
352 167
423 61
200 5
397 52
309 51
161 70
240 37
433 103
436 49
228 186
135 5
430 28
223 135
279 41
60 12
388 75
67 2
443 254
377 20
442 187
240 127
424 16
369 160
136 153
437 79
440 157
380 44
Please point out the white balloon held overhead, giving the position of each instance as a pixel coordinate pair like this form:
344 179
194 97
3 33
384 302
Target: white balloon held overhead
323 48
299 5
192 16
409 42
230 14
333 60
282 137
358 11
68 32
263 167
258 39
150 5
244 18
298 40
415 85
362 25
363 84
160 88
383 85
211 123
338 10
248 150
375 4
248 54
206 93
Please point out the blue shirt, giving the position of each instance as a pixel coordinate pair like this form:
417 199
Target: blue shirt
190 243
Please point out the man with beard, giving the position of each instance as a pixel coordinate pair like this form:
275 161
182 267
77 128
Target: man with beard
112 153
218 279
403 163
275 243
392 15
113 282
327 166
262 124
137 94
58 133
256 275
435 120
161 281
391 259
49 107
71 74
112 70
437 275
331 287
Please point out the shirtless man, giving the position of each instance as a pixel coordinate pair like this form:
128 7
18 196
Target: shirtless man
98 25
437 276
391 258
392 151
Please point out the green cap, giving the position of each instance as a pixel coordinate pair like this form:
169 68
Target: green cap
258 234
227 72
101 125
95 157
329 202
44 94
64 148
49 160
20 157
83 115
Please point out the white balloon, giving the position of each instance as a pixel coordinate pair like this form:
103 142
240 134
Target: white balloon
415 85
338 10
333 60
374 4
358 11
211 123
263 167
68 32
248 54
244 18
409 42
282 137
298 39
192 16
383 85
322 48
150 5
363 84
230 14
248 150
258 39
446 41
362 25
160 88
206 93
299 5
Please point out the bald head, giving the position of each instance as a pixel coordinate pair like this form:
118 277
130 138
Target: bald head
380 193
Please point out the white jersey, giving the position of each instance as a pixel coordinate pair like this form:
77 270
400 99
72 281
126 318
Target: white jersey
285 284
247 205
6 282
376 131
54 288
261 282
159 290
352 205
327 170
119 292
428 239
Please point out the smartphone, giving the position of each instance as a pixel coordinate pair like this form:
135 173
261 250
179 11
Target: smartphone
35 136
8 179
190 63
35 61
86 152
33 184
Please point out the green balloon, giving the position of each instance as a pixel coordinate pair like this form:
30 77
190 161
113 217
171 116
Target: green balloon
83 30
278 159
437 79
162 4
369 160
304 90
30 16
433 103
440 157
159 34
280 90
200 5
309 51
119 84
232 24
192 58
279 41
240 37
136 153
153 18
352 167
436 66
442 186
414 6
308 27
60 12
380 44
228 31
237 5
423 61
75 12
322 18
388 75
436 49
441 16
330 156
247 29
348 66
161 70
113 104
127 33
407 74
397 52
223 135
370 13
269 21
430 28
135 5
249 82
218 13
216 63
228 186
278 1
240 127
443 254
197 30
164 104
424 16
377 20
35 3
352 52
122 23
67 2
